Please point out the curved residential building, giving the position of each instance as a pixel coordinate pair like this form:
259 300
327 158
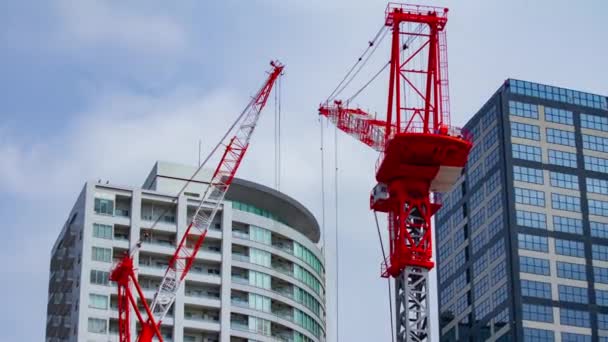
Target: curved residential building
259 276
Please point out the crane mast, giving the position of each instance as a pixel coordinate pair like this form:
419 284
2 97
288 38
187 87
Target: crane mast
183 258
420 154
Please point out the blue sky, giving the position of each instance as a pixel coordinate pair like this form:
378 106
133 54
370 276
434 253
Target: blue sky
102 89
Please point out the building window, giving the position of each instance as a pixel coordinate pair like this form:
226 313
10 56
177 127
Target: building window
534 265
599 252
596 164
104 206
573 294
497 250
480 264
479 241
531 219
598 123
308 257
533 242
260 235
599 229
477 220
525 131
492 158
595 143
99 277
571 271
259 325
538 313
259 279
565 202
597 186
474 155
564 180
494 203
496 225
483 309
538 335
499 272
500 295
526 152
575 318
526 110
491 138
530 197
259 257
597 207
570 248
475 175
306 322
600 274
307 278
557 94
489 118
536 289
560 137
102 254
98 301
493 182
259 302
481 286
572 337
103 231
601 297
602 321
557 115
567 225
562 158
97 326
528 174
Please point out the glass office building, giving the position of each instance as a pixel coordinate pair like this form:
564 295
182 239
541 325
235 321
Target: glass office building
522 239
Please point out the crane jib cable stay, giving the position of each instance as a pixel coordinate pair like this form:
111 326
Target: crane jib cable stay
420 154
183 259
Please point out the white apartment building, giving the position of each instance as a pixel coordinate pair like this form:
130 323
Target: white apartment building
260 275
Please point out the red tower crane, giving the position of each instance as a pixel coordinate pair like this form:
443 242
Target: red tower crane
124 274
420 154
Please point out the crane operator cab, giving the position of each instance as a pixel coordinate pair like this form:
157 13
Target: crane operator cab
378 197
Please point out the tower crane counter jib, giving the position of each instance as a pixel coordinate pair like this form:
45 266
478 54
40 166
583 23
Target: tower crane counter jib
420 153
182 260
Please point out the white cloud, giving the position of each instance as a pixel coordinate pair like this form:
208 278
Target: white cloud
107 23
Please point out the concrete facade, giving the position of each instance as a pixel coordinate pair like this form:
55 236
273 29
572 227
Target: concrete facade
258 277
522 240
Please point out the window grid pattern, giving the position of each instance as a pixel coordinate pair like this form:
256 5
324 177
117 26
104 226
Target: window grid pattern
570 248
538 289
560 137
530 197
600 274
558 115
564 180
575 318
526 110
599 252
567 225
599 229
525 131
528 175
533 242
562 158
531 219
538 335
597 207
572 337
566 202
552 93
601 297
597 186
534 265
526 152
538 313
602 321
569 270
573 294
596 164
598 123
595 143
